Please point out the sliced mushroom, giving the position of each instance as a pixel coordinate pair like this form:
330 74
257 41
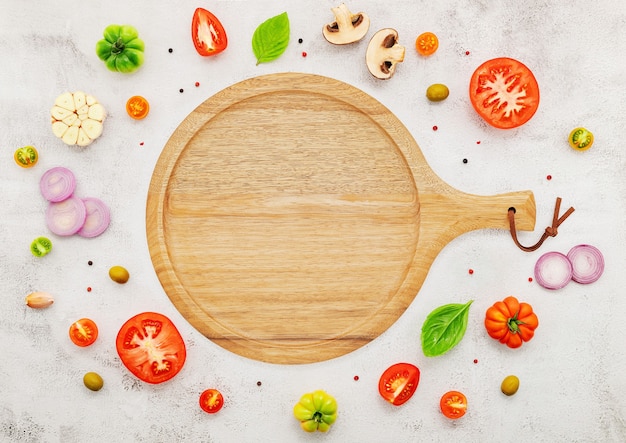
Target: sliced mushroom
347 27
384 53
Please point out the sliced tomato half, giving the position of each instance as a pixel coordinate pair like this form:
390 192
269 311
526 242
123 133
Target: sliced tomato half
398 383
504 92
211 401
151 347
207 33
453 404
83 332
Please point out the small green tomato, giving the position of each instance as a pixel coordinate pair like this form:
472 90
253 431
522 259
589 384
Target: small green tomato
93 381
437 92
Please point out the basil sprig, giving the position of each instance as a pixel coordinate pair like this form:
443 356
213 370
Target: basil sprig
270 39
444 328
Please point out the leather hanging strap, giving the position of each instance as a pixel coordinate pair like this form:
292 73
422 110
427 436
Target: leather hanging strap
551 231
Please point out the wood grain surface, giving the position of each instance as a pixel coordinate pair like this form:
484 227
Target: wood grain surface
292 218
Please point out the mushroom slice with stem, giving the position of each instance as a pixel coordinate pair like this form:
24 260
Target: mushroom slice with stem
384 53
347 27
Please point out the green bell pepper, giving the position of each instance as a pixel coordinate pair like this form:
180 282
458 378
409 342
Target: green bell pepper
121 49
316 411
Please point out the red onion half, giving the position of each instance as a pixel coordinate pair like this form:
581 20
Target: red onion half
57 184
66 217
587 263
98 218
553 270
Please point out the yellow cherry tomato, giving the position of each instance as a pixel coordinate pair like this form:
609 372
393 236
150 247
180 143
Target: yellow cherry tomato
580 139
137 107
26 157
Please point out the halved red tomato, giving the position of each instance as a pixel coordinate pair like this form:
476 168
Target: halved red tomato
83 332
453 404
151 347
398 383
207 33
504 92
211 401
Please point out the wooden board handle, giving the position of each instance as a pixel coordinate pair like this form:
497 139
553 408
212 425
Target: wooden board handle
448 215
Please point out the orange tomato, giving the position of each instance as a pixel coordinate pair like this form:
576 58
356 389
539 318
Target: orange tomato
83 332
511 322
137 107
426 43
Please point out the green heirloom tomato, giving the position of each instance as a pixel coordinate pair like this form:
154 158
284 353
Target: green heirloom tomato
121 49
316 411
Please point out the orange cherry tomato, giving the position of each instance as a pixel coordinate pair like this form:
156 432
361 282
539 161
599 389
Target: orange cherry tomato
83 332
137 107
211 401
453 404
426 43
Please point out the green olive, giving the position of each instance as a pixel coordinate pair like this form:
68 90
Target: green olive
510 385
437 92
119 274
93 381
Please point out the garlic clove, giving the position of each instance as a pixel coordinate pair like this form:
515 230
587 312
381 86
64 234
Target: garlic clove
38 300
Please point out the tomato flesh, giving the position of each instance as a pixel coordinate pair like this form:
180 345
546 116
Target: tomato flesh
137 107
504 92
453 404
207 33
398 383
211 401
40 246
426 43
26 157
151 347
83 332
580 139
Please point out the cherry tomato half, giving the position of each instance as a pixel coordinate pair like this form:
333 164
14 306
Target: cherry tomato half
151 347
426 43
26 157
211 401
137 107
83 332
453 404
398 383
40 246
580 139
504 92
207 33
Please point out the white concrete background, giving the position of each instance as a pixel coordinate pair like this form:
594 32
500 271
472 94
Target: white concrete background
572 372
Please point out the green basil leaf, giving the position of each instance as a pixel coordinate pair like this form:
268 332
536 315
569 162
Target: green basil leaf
444 328
270 39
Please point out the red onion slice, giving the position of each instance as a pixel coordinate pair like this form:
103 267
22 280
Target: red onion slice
587 263
98 218
57 184
66 217
553 270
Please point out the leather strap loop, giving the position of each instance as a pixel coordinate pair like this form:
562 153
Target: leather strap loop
551 231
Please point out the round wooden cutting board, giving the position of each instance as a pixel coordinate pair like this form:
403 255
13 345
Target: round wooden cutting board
291 218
